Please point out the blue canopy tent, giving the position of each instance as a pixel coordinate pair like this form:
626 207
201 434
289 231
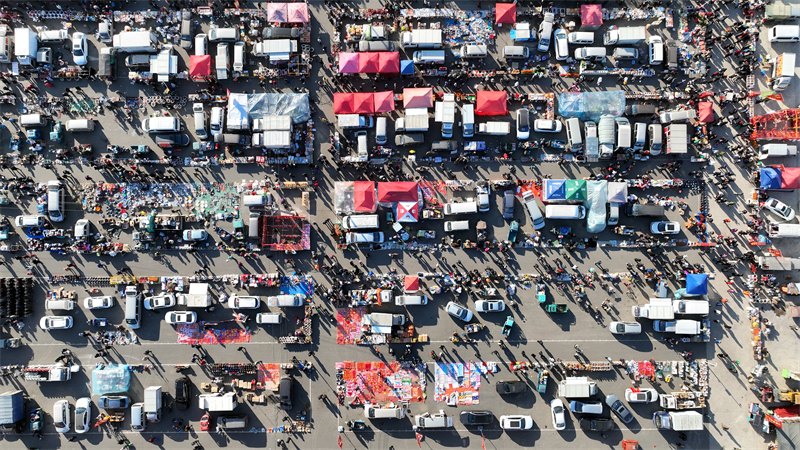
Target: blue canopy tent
696 284
407 67
554 190
770 178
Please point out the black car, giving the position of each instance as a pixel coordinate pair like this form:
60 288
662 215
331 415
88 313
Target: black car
618 408
172 140
596 424
286 392
477 417
511 387
183 393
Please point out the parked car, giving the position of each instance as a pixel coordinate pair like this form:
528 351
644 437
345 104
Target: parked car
98 302
547 126
244 302
523 124
79 50
172 140
55 322
557 411
286 392
665 227
641 395
476 417
618 408
577 407
113 402
183 392
485 306
458 311
779 208
83 413
599 424
180 317
61 411
508 204
625 327
195 235
516 422
159 301
511 387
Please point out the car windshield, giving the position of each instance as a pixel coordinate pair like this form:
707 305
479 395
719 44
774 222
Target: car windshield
621 327
59 424
77 51
662 227
559 410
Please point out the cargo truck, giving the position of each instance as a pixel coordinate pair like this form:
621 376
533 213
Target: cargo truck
625 36
12 411
276 50
218 402
691 327
577 387
658 308
422 39
198 296
678 420
446 114
691 307
783 71
152 403
353 121
781 11
494 128
416 119
50 372
135 42
682 400
382 323
607 135
409 139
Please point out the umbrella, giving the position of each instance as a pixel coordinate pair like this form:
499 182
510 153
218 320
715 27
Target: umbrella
696 284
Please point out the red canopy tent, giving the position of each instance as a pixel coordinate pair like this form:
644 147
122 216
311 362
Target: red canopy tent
491 103
388 62
790 178
411 284
362 103
418 97
364 198
383 101
343 103
368 62
200 67
348 62
506 13
398 191
591 17
705 112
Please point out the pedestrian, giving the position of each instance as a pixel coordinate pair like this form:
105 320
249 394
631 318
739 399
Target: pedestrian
240 349
148 352
71 438
727 327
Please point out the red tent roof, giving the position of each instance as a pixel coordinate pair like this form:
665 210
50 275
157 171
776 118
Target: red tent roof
790 178
362 103
199 66
506 13
705 112
398 191
343 103
368 62
388 62
591 15
491 103
383 101
411 284
364 197
418 98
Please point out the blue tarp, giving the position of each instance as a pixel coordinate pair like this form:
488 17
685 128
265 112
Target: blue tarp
111 379
591 105
696 284
555 190
406 67
770 178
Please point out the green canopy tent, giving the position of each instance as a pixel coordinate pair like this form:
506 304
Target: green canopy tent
576 190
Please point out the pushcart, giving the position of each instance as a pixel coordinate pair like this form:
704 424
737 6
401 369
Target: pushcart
508 325
139 149
10 343
625 231
541 384
113 149
473 327
512 232
36 419
56 132
426 234
85 149
356 425
556 308
223 233
541 292
401 232
490 292
98 322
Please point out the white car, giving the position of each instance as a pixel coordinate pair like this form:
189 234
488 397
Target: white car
217 120
244 302
159 301
523 124
194 235
458 311
516 422
485 306
79 50
98 302
779 208
482 193
180 317
625 327
55 322
643 395
83 413
665 227
547 126
557 410
61 411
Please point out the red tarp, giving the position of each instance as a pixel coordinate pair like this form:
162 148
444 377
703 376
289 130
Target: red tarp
343 103
362 103
591 15
200 66
491 103
411 284
383 101
364 197
418 97
368 62
398 191
506 13
705 112
388 62
790 178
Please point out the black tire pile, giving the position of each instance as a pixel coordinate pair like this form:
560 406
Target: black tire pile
16 297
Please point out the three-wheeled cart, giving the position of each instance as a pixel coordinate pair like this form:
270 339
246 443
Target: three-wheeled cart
401 231
10 343
541 383
56 133
473 327
556 308
36 419
541 292
512 232
508 325
98 322
624 230
791 289
238 229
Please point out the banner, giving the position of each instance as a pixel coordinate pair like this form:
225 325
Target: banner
340 442
419 440
776 97
483 441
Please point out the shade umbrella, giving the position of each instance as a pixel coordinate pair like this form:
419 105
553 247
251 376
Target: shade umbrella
368 62
276 12
383 101
418 98
506 13
343 103
388 62
297 13
363 103
348 62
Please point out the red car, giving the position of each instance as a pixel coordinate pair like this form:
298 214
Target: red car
205 422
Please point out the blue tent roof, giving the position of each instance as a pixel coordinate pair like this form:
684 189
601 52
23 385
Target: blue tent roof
770 178
406 67
555 189
696 284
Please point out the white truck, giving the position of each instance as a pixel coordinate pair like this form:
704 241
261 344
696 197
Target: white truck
691 307
135 42
416 119
494 128
275 49
197 297
422 39
781 11
625 36
382 323
776 149
445 113
658 308
152 403
778 263
218 402
678 420
688 327
353 121
273 123
26 45
50 372
783 70
607 135
273 139
682 400
577 387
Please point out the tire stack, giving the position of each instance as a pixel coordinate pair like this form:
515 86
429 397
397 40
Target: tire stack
16 297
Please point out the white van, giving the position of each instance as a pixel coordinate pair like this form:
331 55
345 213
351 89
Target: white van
200 44
429 57
55 201
623 133
468 120
784 33
361 147
460 208
166 124
613 213
581 38
776 149
5 49
53 36
626 53
364 238
515 52
574 140
32 120
691 307
268 318
380 130
473 51
428 420
76 125
456 225
199 121
223 34
59 305
569 212
253 225
546 32
561 47
365 222
30 221
221 63
133 308
677 115
238 57
656 50
138 419
533 210
656 136
376 412
781 230
409 300
639 136
590 54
